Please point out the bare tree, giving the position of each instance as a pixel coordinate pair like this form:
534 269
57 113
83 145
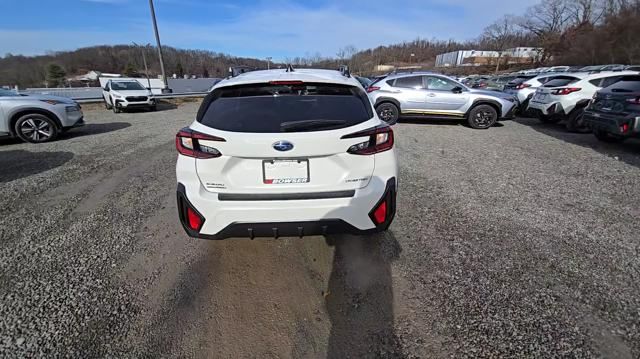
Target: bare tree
500 35
547 21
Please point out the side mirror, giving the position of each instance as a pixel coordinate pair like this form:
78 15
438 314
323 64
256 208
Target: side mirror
106 89
149 88
456 89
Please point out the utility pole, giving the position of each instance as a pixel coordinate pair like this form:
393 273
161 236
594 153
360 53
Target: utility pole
269 62
155 29
144 60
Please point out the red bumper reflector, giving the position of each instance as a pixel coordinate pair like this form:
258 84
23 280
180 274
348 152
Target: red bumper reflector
195 222
380 214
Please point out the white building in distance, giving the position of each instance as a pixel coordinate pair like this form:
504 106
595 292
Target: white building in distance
479 57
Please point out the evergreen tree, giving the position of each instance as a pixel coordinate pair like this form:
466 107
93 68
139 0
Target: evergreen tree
130 70
55 75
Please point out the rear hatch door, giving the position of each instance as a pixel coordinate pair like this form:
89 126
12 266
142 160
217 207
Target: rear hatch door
285 138
623 97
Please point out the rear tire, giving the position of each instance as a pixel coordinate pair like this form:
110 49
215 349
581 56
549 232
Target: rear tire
575 122
388 112
36 128
607 137
482 117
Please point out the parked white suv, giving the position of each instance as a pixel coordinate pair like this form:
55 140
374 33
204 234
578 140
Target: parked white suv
557 101
125 94
525 86
286 152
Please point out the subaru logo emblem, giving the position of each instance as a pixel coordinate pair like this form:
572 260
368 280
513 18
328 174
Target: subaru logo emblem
283 146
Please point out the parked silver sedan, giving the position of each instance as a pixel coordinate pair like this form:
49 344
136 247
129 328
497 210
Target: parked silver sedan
37 118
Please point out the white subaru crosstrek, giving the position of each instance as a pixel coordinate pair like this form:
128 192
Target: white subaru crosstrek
566 98
281 153
120 94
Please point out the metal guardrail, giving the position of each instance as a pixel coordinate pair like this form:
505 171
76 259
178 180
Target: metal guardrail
94 94
165 96
76 93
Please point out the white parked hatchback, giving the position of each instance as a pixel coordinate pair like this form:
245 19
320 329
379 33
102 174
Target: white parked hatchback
286 152
563 99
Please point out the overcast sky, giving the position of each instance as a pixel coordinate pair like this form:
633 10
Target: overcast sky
254 28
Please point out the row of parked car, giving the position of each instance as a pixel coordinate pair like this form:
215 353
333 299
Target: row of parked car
605 102
603 99
498 82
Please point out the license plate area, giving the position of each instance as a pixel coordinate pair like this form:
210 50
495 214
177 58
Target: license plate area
285 171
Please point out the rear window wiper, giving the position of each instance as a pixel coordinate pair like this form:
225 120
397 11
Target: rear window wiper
310 125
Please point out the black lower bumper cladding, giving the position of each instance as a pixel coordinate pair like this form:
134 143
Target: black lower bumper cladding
288 229
511 114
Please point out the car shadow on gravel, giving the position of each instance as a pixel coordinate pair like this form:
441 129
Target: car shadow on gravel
627 151
417 120
94 129
19 163
359 299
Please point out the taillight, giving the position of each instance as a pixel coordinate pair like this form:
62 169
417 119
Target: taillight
482 84
380 213
194 220
624 127
188 144
370 89
634 101
380 140
190 218
565 91
522 86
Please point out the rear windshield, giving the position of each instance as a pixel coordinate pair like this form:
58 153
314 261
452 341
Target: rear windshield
271 108
561 81
626 84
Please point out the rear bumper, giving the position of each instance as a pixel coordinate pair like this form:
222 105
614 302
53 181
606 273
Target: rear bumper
612 123
546 109
293 218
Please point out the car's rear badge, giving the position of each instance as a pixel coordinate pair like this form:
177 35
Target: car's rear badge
283 146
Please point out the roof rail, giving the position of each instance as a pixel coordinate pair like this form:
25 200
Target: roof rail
289 68
344 70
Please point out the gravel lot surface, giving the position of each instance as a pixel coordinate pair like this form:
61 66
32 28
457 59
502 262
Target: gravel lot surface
519 241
